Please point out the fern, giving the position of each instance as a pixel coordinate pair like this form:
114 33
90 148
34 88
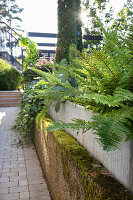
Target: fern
101 81
111 128
120 95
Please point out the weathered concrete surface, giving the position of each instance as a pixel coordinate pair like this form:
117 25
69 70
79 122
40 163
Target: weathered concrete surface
118 162
21 176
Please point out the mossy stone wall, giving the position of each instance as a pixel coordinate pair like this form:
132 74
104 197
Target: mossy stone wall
71 173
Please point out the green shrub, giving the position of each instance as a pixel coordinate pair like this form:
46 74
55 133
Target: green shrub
102 82
30 105
67 29
10 79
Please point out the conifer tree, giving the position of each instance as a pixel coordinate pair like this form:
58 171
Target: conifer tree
79 25
69 28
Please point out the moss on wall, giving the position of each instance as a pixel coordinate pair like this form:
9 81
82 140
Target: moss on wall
71 173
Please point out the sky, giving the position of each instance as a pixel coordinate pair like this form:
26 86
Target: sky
41 15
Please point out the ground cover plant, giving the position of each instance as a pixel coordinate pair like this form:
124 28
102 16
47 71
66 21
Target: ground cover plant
30 105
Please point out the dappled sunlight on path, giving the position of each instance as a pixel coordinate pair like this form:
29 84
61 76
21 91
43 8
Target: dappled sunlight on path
2 114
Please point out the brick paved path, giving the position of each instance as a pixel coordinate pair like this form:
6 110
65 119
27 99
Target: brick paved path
20 172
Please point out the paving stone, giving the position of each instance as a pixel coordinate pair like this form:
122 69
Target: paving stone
41 198
29 150
34 172
35 181
9 174
4 190
18 169
13 196
5 170
35 176
24 195
8 184
21 159
10 166
32 165
33 162
4 179
39 193
6 162
18 189
5 157
40 186
23 183
22 165
10 159
32 168
21 176
18 178
22 173
14 162
30 154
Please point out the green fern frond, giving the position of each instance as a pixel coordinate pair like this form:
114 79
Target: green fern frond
122 95
117 100
111 128
105 61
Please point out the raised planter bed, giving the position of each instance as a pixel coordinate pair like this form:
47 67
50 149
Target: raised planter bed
71 172
118 162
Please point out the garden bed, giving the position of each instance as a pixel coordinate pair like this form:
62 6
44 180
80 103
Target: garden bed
118 162
71 172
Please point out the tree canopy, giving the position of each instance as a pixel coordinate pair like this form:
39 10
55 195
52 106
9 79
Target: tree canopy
9 11
99 10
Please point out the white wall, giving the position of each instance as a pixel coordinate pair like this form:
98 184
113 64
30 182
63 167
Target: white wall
118 162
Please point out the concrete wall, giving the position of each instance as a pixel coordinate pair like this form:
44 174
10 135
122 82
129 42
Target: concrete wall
118 162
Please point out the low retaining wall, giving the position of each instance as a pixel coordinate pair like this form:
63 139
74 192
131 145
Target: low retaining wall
71 172
118 162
